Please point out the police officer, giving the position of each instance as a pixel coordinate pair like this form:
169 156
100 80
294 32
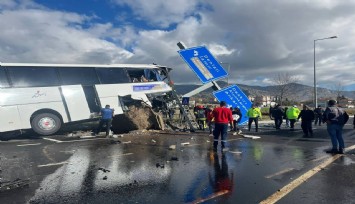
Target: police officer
254 114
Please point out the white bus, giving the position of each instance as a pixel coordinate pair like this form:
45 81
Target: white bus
46 96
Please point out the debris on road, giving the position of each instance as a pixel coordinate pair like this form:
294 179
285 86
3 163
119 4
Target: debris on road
10 185
236 152
160 165
104 170
185 143
128 142
174 159
172 147
115 142
251 137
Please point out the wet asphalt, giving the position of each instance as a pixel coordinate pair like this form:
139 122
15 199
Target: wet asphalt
140 168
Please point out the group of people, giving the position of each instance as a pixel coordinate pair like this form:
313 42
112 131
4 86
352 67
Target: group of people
290 114
222 116
293 114
334 116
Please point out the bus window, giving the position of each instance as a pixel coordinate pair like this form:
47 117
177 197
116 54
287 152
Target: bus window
78 75
3 78
112 75
143 75
33 76
136 75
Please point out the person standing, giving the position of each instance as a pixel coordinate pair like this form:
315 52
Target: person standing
253 114
237 117
222 116
285 117
106 118
209 119
318 115
292 115
335 117
307 117
201 117
277 113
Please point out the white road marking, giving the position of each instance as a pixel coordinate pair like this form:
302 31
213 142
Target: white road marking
121 155
33 144
52 164
303 178
213 196
52 140
320 158
280 172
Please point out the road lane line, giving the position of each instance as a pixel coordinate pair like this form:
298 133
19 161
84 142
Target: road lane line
215 195
52 164
120 155
32 144
303 178
280 172
52 140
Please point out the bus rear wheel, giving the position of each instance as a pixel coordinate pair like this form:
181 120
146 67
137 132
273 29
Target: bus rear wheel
46 123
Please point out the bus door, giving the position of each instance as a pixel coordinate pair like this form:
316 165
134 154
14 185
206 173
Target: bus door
75 102
92 99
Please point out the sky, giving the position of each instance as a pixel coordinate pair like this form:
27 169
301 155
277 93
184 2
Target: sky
255 39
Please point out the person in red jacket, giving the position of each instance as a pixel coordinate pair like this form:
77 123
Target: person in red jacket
222 116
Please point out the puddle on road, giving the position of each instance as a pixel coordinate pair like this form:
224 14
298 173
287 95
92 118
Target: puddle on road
107 173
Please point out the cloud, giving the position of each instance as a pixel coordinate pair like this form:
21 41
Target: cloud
258 39
161 13
34 34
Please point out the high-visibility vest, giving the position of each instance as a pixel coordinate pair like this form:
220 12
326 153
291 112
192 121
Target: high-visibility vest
254 113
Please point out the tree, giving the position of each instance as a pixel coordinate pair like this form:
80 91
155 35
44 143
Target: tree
284 83
339 89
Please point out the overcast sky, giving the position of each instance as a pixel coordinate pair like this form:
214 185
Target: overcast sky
258 39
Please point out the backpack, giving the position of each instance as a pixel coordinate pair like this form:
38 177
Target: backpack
343 117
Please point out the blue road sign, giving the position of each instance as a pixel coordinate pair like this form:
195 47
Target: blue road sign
234 97
185 101
202 62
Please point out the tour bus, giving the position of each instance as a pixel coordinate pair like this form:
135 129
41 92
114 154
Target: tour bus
46 96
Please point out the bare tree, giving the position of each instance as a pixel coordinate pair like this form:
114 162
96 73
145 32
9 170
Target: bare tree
339 89
284 83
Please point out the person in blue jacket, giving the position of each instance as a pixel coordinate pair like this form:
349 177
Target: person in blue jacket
106 119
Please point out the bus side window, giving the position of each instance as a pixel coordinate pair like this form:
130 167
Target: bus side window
3 79
136 75
33 76
78 75
112 75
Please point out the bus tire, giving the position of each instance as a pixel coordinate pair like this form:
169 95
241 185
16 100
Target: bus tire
46 123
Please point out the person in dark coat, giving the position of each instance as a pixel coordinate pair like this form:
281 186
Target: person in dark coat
307 117
277 113
318 115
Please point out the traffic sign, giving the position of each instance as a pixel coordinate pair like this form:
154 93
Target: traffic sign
185 101
234 97
202 62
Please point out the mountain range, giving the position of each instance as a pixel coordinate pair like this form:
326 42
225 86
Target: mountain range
299 93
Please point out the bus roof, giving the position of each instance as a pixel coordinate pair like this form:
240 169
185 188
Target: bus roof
146 66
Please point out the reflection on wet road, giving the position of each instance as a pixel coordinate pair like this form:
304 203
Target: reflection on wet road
142 169
136 173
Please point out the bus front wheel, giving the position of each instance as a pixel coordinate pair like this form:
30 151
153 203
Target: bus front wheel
46 123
